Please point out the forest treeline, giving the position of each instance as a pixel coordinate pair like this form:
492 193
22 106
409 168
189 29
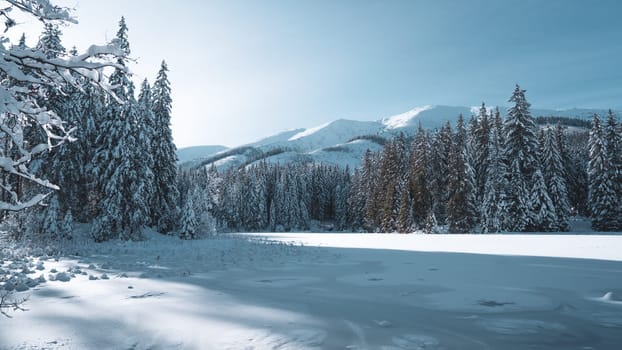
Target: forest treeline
488 174
117 169
114 167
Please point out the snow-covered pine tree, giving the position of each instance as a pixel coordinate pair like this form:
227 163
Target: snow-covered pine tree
574 158
555 178
544 218
92 104
356 202
164 204
50 42
405 221
419 178
481 148
371 184
390 171
521 153
613 139
145 135
51 226
66 227
440 152
341 205
119 164
492 209
461 208
602 197
22 42
188 229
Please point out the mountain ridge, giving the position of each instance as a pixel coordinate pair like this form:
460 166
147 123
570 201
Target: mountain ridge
344 141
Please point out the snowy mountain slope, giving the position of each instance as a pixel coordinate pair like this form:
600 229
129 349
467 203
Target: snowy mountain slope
196 153
318 144
430 117
333 133
345 154
277 139
330 142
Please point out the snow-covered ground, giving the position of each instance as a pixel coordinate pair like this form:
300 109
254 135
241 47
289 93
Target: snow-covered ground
325 291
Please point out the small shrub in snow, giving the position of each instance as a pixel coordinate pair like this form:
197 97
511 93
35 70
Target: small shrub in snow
63 277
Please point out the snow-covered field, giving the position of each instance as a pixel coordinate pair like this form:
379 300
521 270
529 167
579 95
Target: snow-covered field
324 291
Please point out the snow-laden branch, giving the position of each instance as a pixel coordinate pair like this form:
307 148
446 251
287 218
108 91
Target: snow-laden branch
44 10
26 77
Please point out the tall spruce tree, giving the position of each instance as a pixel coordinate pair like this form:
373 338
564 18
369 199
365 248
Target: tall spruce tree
603 201
613 139
118 164
492 210
602 197
543 217
442 145
419 179
144 134
521 153
555 178
164 204
461 208
188 229
481 148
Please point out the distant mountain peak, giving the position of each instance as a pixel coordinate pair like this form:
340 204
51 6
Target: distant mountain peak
404 119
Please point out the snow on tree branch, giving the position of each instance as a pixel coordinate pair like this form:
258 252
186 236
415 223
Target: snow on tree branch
29 128
43 10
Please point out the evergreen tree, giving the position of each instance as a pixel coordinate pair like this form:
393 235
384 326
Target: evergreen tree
119 162
613 140
493 210
390 173
602 197
544 218
21 44
461 208
442 144
144 134
419 179
481 148
50 42
164 208
66 227
555 178
371 177
521 153
356 201
51 228
188 220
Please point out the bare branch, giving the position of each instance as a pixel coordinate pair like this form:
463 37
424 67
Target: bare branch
14 304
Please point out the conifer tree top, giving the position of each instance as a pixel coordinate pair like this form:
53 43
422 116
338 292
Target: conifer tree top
122 36
521 106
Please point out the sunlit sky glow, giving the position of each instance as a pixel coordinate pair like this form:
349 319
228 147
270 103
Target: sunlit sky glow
242 70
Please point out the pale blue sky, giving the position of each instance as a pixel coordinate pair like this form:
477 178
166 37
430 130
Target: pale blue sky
241 70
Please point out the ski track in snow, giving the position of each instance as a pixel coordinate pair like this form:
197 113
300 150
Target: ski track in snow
320 291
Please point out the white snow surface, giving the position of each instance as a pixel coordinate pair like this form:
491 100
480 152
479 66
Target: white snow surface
323 291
